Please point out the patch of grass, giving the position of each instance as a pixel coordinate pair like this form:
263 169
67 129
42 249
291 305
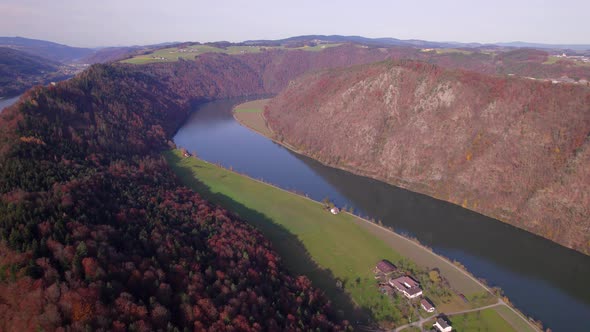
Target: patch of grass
552 59
248 111
250 115
452 50
190 52
255 121
252 106
487 320
513 319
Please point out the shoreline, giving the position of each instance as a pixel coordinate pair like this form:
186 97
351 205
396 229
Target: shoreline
367 224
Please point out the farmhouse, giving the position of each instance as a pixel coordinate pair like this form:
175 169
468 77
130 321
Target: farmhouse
408 286
442 325
385 267
426 305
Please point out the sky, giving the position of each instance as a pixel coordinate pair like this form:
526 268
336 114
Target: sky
132 22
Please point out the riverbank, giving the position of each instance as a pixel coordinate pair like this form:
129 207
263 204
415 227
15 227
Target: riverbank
344 245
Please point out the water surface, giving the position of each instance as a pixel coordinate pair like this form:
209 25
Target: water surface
543 279
7 102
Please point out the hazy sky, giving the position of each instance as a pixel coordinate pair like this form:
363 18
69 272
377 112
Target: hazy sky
129 22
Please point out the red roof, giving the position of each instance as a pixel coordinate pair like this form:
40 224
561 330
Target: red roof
427 306
386 266
406 284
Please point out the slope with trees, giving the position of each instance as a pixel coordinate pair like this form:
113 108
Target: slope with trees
19 71
97 234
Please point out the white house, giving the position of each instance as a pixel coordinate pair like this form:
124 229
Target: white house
442 325
427 306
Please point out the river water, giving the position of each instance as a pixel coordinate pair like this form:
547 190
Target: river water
7 102
543 279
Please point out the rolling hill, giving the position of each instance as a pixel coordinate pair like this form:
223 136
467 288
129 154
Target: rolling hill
19 71
46 49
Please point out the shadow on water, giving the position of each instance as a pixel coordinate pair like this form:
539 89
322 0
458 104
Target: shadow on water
295 256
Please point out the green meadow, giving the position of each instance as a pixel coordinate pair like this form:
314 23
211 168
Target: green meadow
172 54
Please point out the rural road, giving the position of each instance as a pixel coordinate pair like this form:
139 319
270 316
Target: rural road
423 320
447 261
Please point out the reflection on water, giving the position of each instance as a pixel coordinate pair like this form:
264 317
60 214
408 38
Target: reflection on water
543 279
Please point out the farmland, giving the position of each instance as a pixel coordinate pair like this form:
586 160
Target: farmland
252 114
190 52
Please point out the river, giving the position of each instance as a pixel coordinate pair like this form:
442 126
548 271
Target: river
7 102
543 279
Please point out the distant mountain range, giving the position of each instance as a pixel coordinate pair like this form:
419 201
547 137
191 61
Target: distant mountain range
575 47
27 62
53 51
68 54
414 42
59 56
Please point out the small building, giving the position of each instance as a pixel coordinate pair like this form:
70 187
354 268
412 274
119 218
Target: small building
442 325
385 267
406 285
334 210
426 305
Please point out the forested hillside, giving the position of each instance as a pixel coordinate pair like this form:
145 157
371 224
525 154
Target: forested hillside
19 71
97 234
514 149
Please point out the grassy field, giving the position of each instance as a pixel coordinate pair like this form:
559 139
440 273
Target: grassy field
554 59
255 106
487 320
452 50
250 114
190 52
513 319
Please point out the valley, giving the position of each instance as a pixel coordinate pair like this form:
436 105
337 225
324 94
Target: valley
103 235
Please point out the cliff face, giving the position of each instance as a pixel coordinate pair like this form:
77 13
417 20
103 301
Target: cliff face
510 148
